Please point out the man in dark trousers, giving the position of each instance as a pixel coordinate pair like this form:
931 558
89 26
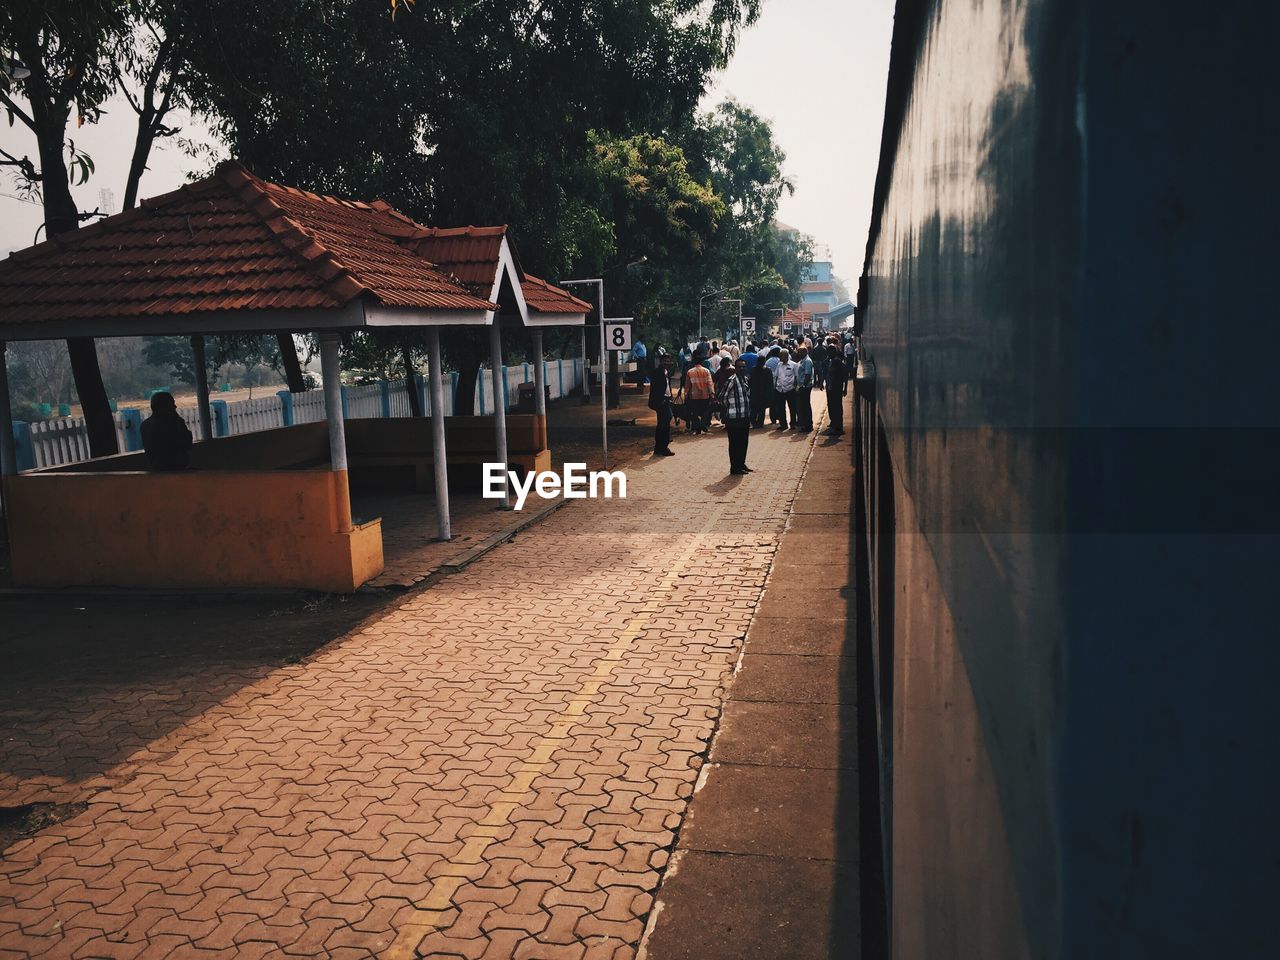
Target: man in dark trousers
836 384
660 403
761 382
165 436
735 407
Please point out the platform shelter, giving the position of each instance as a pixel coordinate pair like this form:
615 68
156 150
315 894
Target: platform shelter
234 254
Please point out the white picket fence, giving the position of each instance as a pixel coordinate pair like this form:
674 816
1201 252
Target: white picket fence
250 416
308 407
191 417
65 440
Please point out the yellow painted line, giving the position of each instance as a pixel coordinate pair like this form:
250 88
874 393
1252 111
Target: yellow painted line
433 909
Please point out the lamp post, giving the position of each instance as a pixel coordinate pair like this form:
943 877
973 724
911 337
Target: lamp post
586 371
586 366
739 303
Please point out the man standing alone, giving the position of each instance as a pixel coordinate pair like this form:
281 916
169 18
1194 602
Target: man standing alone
660 403
735 402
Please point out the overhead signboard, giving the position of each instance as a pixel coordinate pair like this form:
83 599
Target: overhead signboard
748 324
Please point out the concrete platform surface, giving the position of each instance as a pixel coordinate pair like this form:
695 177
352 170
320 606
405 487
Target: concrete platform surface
767 860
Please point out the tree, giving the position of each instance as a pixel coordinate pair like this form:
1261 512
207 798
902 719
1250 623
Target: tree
149 74
65 48
478 111
661 218
732 151
733 147
39 371
175 355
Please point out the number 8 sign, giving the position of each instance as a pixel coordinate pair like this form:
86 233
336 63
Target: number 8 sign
617 336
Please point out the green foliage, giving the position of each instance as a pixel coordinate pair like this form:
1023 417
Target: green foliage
373 355
730 149
175 355
462 111
257 355
658 210
572 120
734 146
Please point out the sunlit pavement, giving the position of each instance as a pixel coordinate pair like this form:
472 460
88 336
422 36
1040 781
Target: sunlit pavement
497 768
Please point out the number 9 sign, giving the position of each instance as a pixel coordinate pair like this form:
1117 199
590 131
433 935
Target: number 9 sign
617 336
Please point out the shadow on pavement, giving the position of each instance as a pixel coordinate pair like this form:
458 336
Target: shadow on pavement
89 680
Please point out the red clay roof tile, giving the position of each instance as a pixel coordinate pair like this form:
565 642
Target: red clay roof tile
229 242
544 297
470 254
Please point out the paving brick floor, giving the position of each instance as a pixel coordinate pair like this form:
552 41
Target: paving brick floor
409 525
495 768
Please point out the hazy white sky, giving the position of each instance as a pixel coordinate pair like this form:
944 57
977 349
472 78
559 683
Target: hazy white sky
816 68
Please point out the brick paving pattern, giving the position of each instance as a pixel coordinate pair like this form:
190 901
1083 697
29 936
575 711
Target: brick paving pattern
410 550
409 528
496 768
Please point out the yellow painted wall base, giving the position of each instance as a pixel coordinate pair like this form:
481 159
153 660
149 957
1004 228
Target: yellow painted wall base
197 528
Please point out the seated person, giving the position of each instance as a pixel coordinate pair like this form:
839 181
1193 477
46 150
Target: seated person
165 436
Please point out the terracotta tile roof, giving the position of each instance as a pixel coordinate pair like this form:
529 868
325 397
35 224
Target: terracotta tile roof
472 254
544 297
469 254
229 242
797 316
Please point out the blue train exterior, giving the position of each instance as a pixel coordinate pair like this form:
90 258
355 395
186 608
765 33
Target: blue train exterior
1069 480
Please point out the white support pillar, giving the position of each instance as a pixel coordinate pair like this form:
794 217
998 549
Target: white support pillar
499 406
540 387
435 373
202 388
604 376
330 370
8 455
586 366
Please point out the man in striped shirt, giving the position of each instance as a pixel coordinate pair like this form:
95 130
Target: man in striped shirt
735 410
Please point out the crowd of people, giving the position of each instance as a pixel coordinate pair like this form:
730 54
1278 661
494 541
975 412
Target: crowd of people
741 387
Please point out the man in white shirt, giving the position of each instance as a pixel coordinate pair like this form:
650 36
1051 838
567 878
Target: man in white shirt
785 380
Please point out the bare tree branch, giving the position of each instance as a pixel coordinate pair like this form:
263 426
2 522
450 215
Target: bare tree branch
17 110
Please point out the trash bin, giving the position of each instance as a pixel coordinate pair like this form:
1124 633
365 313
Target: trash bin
525 402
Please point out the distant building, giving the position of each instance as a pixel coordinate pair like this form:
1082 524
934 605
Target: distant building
820 291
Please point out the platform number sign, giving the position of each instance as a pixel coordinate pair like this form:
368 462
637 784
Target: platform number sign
618 336
786 326
748 325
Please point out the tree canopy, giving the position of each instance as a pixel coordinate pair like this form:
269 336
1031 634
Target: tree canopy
574 121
